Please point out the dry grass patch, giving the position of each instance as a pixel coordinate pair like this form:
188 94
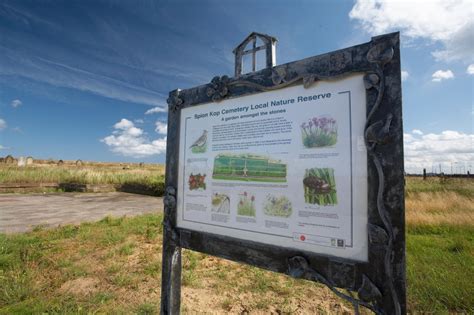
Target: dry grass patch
439 208
149 178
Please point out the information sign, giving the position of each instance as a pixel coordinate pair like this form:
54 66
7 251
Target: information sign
297 169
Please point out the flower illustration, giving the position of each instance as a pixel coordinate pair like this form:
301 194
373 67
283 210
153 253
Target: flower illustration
319 132
246 206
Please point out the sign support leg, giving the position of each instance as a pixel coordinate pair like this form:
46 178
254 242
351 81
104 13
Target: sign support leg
170 278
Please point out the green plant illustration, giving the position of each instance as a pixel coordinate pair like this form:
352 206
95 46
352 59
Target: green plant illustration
220 203
277 206
319 132
320 186
246 205
248 167
201 149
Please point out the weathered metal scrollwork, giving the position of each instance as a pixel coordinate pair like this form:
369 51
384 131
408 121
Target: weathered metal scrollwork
175 102
280 80
278 76
218 88
169 201
377 134
298 267
368 291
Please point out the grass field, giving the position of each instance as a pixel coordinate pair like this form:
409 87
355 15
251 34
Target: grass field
114 266
110 174
150 176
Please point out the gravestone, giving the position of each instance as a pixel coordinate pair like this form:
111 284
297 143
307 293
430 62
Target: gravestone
21 161
9 159
297 169
29 161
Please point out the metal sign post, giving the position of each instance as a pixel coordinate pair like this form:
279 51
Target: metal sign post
297 169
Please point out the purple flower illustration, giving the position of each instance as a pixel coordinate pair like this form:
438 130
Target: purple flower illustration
320 131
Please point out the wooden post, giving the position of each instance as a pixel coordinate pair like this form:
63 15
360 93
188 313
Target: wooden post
424 173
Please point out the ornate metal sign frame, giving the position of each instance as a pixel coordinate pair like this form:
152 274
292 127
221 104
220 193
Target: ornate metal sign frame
378 284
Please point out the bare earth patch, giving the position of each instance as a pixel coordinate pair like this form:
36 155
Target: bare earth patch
130 272
80 286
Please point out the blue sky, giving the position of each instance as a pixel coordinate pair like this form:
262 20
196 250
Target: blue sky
78 77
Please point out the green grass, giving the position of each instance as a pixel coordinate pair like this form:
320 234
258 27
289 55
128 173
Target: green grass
440 269
124 256
35 265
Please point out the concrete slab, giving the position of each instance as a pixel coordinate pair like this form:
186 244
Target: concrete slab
20 213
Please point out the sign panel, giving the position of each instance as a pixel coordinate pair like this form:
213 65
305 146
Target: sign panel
286 168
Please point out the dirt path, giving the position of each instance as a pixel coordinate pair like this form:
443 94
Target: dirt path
19 213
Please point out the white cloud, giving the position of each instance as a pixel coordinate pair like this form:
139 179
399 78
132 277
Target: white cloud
459 46
440 75
129 140
470 69
16 103
405 75
123 124
3 124
139 121
431 150
447 22
161 127
2 147
156 110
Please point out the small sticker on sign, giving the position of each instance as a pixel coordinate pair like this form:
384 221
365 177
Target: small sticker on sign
316 240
